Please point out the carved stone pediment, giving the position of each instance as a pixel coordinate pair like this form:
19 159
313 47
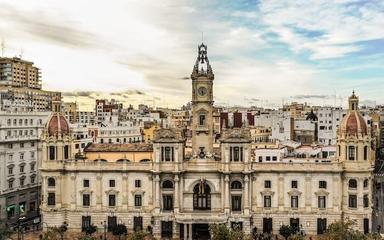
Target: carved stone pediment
321 192
294 192
86 191
236 135
267 192
167 135
111 191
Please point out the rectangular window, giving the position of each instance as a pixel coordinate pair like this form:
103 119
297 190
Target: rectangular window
22 182
236 203
236 154
112 183
21 156
267 184
138 223
85 222
10 184
268 158
294 184
167 202
137 183
202 120
51 199
22 168
267 201
352 201
85 183
274 158
167 153
112 222
112 200
66 152
323 184
10 171
86 200
366 200
321 202
52 153
138 202
294 201
351 153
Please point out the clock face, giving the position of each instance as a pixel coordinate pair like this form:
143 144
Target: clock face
202 91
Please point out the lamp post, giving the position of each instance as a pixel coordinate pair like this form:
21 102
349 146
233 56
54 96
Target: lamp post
18 228
104 223
63 229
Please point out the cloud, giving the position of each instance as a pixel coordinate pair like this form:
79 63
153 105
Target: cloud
43 25
310 96
327 29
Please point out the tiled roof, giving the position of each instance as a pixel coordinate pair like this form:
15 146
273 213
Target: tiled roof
129 147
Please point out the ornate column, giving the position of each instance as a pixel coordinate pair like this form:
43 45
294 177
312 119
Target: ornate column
185 231
99 191
157 193
226 190
176 193
74 192
280 195
190 232
181 188
58 191
125 191
246 195
308 195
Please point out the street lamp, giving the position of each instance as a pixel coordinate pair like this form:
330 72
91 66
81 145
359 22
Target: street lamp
63 228
18 228
104 223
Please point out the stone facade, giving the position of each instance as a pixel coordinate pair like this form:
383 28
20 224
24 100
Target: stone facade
176 192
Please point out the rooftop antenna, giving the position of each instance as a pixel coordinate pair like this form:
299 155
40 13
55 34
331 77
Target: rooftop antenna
202 37
2 47
21 53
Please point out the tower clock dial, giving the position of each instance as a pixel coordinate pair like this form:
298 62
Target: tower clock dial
202 91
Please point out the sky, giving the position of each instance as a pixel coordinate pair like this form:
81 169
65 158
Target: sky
263 53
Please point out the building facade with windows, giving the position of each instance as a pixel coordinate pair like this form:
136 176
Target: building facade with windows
19 163
174 191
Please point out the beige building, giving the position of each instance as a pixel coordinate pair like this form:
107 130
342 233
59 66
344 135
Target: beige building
161 188
20 87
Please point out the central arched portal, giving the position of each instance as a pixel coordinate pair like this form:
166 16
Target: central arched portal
202 196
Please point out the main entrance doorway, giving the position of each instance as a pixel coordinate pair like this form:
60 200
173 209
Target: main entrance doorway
200 231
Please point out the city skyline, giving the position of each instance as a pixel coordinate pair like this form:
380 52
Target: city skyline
144 52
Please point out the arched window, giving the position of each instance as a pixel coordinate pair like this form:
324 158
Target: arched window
202 196
236 185
167 184
51 182
366 183
352 183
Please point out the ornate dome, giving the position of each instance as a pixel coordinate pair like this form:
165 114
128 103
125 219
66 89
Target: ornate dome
353 124
57 125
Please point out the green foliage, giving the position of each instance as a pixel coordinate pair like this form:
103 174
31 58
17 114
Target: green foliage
52 233
342 230
138 235
91 229
87 237
286 231
119 229
5 233
296 237
222 232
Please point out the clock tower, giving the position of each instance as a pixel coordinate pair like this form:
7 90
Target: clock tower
202 105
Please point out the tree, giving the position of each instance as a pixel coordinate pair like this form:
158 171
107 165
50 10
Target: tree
5 233
342 230
119 229
52 233
86 237
138 235
91 229
286 231
222 232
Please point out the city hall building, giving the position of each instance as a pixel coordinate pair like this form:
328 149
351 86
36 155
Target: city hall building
176 191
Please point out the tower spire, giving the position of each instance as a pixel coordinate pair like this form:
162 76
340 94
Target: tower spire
202 66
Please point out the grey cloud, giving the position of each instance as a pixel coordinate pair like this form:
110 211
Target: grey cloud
310 96
52 28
